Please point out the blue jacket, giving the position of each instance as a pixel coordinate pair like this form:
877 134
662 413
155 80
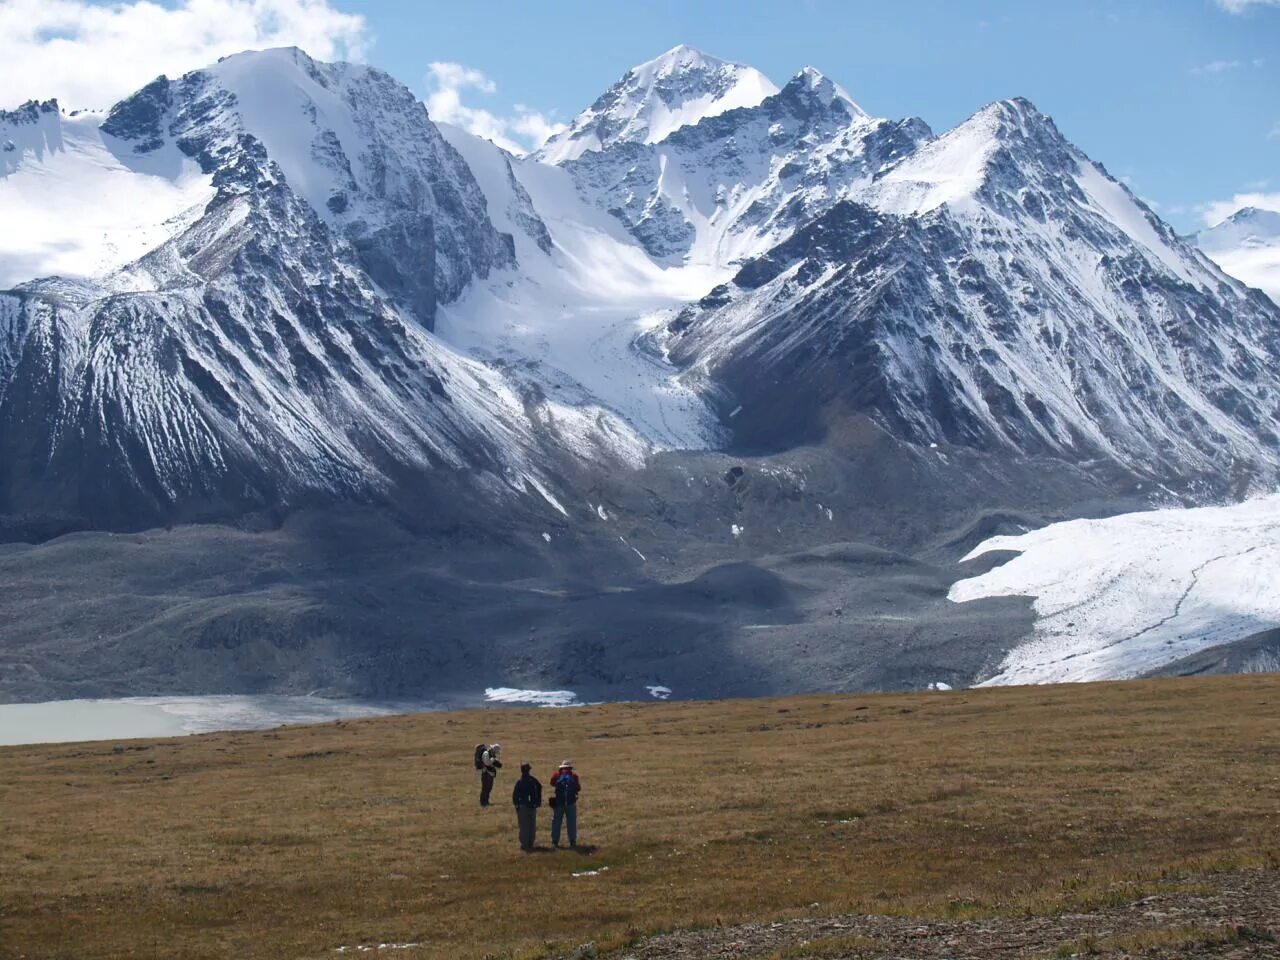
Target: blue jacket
566 785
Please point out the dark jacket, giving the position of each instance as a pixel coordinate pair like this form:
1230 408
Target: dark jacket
566 785
527 792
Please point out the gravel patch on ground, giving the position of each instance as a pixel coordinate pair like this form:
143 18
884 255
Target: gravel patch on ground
1224 915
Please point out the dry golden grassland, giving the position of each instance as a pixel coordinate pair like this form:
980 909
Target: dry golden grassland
292 843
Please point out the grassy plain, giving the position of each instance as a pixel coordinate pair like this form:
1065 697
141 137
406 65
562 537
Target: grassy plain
293 843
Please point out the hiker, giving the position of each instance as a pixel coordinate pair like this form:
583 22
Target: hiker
527 798
565 803
488 764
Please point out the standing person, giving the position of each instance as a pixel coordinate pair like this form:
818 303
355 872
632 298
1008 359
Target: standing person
567 787
490 764
527 798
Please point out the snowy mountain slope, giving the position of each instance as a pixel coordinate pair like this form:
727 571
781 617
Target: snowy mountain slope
1123 596
1247 246
656 98
567 321
996 289
747 343
728 187
275 347
262 370
76 201
349 140
991 288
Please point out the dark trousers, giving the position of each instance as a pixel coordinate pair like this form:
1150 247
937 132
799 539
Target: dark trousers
569 812
486 786
527 817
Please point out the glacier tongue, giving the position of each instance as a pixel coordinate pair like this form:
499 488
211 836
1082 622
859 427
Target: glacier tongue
1123 596
573 318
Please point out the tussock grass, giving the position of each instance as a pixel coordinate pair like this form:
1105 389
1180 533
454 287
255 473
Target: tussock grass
969 803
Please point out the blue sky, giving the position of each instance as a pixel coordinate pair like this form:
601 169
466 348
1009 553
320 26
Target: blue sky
1181 98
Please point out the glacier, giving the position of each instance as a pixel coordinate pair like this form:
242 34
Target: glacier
717 386
1123 596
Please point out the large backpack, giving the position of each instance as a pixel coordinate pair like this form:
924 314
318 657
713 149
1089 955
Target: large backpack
566 783
480 749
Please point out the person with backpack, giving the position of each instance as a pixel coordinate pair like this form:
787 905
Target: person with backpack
527 798
566 785
488 763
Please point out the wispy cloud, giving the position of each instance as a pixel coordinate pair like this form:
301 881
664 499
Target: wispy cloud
1227 66
89 55
1217 66
521 131
1216 211
1240 6
1275 132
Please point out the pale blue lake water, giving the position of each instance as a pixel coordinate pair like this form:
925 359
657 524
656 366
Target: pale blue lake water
62 721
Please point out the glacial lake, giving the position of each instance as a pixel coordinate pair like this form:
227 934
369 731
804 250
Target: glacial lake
61 721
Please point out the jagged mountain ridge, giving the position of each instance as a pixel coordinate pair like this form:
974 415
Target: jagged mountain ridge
276 346
320 298
730 186
1001 291
352 143
997 290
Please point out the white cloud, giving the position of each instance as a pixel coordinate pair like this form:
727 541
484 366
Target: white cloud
524 130
91 55
1240 6
1218 210
1218 66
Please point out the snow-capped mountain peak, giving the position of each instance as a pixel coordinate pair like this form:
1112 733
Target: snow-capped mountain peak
827 90
656 98
1247 246
1247 227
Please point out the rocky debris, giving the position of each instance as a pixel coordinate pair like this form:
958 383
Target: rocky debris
1227 915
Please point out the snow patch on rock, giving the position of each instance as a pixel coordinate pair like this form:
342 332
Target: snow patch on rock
536 698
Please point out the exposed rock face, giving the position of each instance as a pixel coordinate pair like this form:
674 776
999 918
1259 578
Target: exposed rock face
274 348
1028 304
656 98
730 186
350 141
737 366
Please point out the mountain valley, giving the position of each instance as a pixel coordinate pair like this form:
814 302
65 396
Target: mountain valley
717 390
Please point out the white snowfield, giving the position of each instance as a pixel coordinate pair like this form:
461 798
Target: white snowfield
76 202
1122 596
570 319
534 698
